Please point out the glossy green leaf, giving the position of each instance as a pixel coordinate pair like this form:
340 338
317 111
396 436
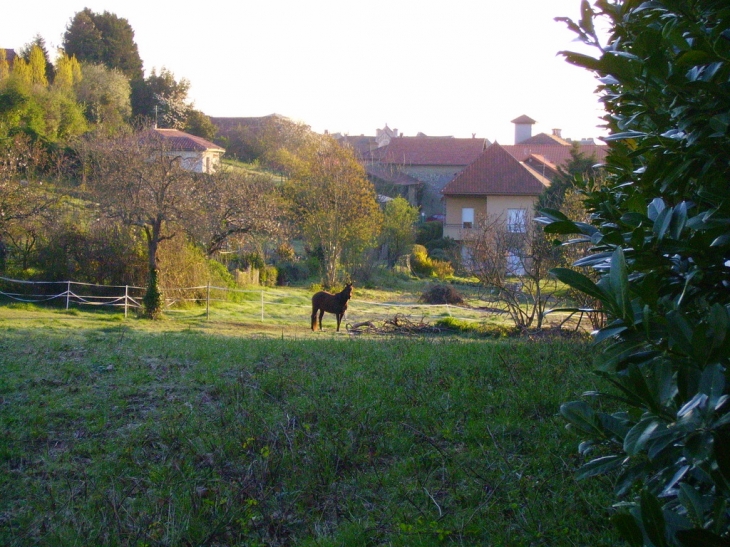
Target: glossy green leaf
639 435
582 416
652 518
692 502
680 332
579 281
599 466
628 529
619 278
719 321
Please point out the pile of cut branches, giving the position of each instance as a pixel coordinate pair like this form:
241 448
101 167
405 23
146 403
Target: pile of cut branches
398 324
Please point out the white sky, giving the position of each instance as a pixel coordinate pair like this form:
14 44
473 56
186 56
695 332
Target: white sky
449 67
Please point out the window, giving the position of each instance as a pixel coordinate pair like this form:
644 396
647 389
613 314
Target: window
467 218
516 222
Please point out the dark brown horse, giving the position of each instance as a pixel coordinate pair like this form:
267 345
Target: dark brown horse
331 303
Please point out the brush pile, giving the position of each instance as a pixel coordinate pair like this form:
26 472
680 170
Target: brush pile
398 324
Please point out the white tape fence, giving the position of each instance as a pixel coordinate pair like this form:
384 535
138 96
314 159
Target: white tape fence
266 302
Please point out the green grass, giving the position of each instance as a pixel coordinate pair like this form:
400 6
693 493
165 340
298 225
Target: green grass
174 433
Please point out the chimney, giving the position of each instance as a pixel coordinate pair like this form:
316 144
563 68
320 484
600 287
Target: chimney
523 128
558 133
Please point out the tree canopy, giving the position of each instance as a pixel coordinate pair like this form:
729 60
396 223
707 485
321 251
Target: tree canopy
103 38
332 201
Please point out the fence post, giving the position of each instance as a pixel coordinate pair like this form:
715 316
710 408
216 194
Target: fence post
262 306
68 292
126 300
207 302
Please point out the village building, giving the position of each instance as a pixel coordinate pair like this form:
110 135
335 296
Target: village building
419 167
496 186
505 181
197 154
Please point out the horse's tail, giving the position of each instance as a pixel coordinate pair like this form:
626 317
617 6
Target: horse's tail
314 312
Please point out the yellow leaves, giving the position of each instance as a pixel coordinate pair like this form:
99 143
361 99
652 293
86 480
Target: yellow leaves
68 72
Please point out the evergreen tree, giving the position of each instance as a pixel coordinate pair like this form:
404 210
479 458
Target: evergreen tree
27 53
68 72
22 74
37 64
199 124
106 96
580 165
103 38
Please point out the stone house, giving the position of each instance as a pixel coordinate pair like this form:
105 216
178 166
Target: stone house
421 167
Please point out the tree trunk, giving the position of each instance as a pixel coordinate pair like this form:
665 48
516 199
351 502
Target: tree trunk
152 300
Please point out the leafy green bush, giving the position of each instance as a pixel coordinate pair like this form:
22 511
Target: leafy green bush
660 242
291 272
442 269
429 231
269 276
482 329
422 264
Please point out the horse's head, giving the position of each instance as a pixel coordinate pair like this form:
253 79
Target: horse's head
347 291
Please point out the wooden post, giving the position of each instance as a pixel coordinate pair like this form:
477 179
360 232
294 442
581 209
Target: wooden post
68 292
262 306
126 300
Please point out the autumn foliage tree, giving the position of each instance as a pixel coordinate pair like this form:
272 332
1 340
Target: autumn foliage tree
332 202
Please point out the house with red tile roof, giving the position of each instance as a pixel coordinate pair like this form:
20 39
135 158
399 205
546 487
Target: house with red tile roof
197 154
422 166
550 148
495 186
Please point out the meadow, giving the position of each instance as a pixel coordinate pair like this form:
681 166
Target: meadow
228 432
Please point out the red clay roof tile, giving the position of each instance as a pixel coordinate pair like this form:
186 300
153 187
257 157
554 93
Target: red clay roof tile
430 151
496 172
179 140
555 153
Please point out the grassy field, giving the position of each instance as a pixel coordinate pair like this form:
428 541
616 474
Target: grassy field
228 432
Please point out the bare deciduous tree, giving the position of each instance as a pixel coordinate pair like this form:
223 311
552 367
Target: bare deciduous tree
23 199
513 260
140 181
233 203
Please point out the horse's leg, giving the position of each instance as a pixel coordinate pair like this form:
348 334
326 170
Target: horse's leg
339 319
314 318
321 314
